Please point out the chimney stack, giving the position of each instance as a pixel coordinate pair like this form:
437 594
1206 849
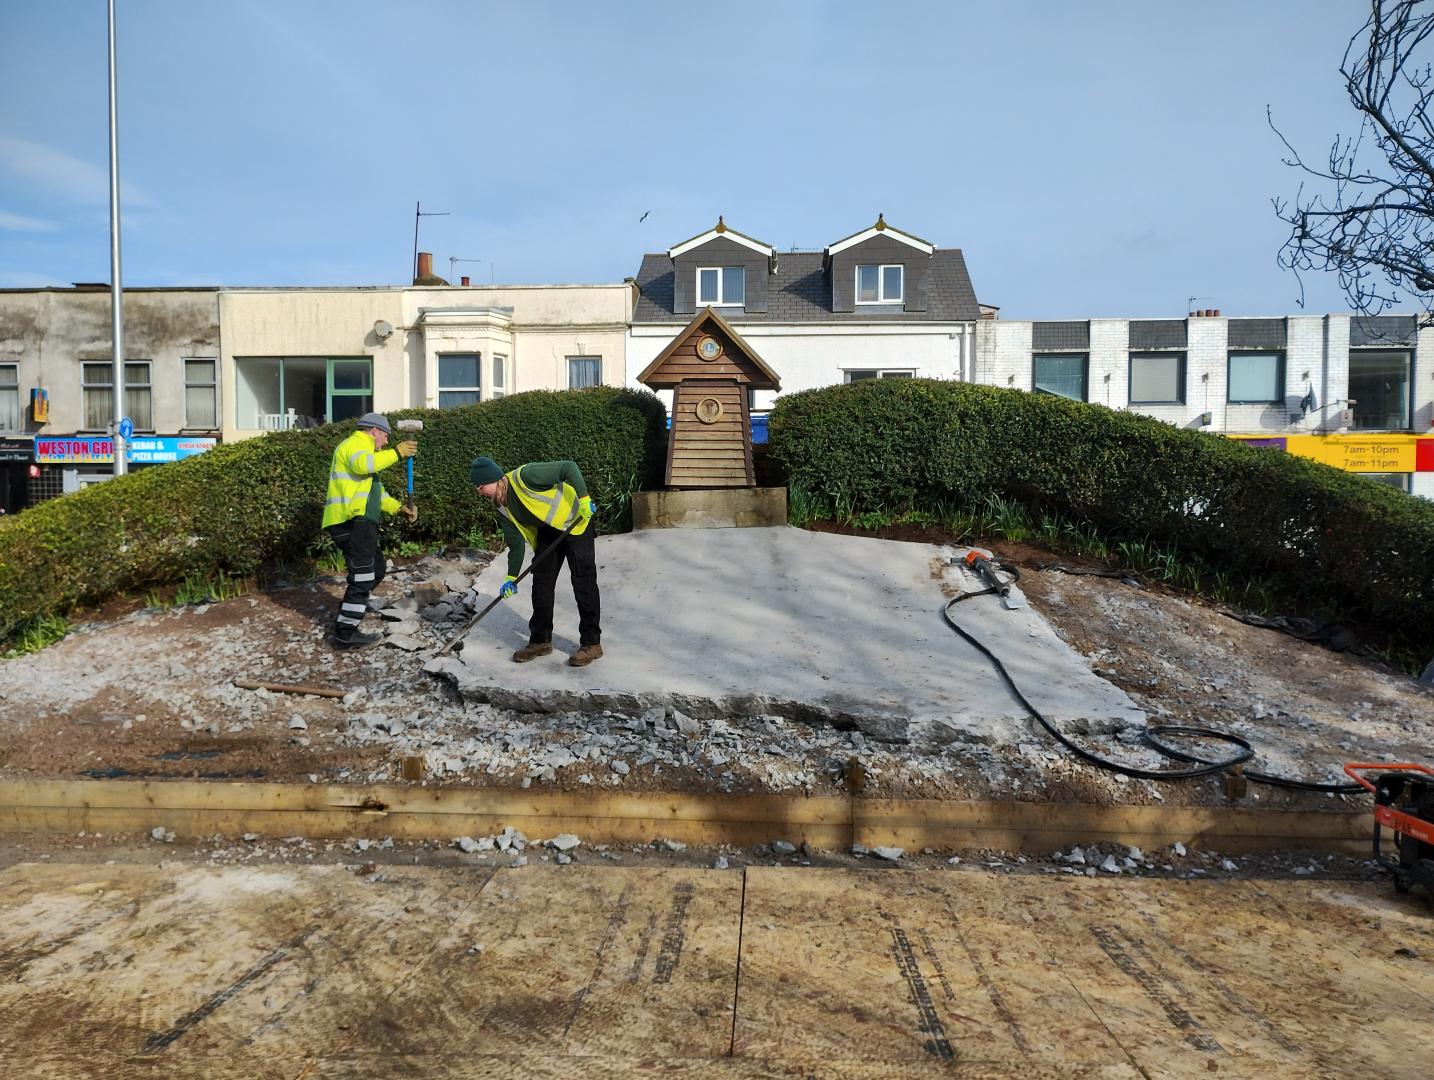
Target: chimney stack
425 266
464 280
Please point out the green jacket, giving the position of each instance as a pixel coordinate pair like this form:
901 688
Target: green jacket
540 476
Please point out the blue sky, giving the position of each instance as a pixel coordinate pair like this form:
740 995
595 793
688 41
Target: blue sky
1090 158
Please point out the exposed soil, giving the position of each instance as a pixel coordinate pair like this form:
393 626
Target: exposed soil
148 693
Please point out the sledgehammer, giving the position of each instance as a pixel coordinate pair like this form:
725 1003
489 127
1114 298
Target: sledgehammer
414 426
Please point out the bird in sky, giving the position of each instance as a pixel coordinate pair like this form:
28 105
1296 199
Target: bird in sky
644 216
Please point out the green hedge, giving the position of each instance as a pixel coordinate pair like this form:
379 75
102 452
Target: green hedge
244 505
1327 540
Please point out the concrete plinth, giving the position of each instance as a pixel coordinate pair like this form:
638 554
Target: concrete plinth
712 508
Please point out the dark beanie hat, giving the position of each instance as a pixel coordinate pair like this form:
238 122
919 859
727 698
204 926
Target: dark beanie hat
483 470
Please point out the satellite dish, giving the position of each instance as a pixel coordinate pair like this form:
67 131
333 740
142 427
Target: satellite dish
383 330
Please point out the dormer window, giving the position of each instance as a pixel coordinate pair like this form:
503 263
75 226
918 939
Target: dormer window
880 284
721 285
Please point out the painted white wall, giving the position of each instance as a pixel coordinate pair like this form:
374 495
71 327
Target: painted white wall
806 356
546 324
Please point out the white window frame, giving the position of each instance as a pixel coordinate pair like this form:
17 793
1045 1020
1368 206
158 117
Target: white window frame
500 376
596 357
877 373
721 300
212 384
478 355
881 297
9 385
86 386
146 387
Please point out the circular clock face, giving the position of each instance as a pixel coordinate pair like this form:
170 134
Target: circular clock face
709 410
709 348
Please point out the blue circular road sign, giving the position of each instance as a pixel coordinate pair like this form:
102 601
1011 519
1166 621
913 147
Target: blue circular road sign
126 428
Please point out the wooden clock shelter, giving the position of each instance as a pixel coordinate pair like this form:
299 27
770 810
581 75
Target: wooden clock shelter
710 370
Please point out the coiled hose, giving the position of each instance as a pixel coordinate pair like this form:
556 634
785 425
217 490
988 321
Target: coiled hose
1153 735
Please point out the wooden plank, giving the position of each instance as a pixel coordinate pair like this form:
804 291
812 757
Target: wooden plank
200 808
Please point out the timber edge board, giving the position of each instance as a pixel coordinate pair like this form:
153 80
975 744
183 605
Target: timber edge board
833 823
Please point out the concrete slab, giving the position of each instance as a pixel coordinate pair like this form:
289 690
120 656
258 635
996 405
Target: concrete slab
317 971
814 626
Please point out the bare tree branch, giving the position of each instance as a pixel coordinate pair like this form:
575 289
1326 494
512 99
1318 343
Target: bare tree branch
1371 221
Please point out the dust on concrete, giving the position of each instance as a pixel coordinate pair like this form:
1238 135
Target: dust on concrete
150 695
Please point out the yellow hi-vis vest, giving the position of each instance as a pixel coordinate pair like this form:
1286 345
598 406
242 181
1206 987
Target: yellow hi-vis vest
351 478
557 506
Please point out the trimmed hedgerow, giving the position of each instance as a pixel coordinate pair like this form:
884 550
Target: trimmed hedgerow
245 505
1327 540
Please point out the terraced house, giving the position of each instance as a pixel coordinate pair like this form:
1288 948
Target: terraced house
285 358
1355 392
880 303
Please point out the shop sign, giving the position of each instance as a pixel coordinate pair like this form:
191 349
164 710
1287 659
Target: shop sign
148 451
1364 453
1358 453
13 450
100 450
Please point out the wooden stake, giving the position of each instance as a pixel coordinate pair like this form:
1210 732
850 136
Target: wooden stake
281 688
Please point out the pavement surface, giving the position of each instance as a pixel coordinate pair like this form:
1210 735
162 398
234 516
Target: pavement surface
372 971
811 626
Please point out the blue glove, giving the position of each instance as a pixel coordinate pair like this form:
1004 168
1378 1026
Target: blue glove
510 587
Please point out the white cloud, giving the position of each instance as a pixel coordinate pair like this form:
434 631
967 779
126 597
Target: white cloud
56 171
21 223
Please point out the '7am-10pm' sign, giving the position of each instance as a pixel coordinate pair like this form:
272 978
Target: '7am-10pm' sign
101 451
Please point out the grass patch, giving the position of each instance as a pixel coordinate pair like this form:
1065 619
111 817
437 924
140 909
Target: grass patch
39 632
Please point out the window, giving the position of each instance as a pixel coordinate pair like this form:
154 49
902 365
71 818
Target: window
9 397
1157 378
498 388
1379 387
857 374
458 379
279 393
584 371
1398 480
138 401
1061 374
721 285
97 381
1256 377
879 284
201 393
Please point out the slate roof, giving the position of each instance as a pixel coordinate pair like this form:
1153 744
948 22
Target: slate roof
801 292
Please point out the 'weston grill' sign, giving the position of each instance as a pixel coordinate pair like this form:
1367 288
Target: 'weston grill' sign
101 450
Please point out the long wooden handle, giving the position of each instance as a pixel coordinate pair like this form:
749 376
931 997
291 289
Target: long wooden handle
281 688
494 603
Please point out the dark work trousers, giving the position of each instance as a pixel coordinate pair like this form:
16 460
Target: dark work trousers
358 540
582 568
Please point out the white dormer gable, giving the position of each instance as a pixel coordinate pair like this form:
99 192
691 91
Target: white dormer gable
719 230
881 228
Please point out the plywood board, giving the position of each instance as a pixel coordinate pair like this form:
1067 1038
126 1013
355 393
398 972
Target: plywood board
316 971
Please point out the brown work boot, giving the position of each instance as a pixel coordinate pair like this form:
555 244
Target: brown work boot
586 655
532 651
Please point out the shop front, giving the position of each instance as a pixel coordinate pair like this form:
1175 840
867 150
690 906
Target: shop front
70 463
17 462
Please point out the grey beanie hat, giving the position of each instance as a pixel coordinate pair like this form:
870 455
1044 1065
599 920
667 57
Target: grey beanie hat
484 470
375 420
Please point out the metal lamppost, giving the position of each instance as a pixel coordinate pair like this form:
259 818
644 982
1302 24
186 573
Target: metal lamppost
121 441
